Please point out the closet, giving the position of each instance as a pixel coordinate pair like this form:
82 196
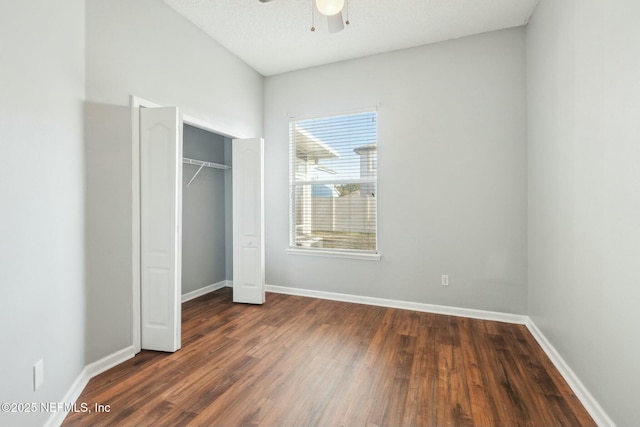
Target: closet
201 223
207 240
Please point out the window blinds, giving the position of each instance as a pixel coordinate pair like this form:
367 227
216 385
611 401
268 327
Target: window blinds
333 182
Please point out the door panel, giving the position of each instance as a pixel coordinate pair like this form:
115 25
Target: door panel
248 221
161 216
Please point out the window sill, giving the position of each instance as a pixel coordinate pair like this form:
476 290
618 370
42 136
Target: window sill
334 254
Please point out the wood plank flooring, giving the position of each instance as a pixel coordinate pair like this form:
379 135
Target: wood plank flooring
299 361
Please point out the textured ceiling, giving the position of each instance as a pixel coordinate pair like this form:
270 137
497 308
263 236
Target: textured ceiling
275 37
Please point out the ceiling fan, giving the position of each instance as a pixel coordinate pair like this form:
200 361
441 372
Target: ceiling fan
332 9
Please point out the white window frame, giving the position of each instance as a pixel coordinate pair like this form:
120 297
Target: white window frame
326 252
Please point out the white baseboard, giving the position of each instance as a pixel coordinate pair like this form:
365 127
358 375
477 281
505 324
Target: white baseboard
202 291
89 371
405 305
588 401
74 392
108 362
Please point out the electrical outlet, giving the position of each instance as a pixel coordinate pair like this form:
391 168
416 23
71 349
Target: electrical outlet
445 280
38 374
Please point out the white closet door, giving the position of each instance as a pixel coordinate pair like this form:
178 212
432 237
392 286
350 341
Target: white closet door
161 216
248 221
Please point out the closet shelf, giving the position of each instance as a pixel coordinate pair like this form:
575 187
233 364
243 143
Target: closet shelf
205 164
202 164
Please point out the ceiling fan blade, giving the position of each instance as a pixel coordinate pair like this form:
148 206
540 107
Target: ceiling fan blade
335 23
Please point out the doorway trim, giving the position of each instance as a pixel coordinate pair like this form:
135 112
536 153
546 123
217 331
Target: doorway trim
136 103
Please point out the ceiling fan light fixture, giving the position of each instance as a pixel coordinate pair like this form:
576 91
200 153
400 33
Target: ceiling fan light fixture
329 7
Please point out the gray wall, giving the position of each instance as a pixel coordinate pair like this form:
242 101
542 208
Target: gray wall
451 170
144 48
584 193
203 212
42 218
108 225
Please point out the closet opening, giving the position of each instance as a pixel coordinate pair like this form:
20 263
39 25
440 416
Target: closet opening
189 162
207 212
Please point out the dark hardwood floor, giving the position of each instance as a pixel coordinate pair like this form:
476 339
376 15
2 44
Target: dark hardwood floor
299 361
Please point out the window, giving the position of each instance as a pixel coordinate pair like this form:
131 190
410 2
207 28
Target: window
333 189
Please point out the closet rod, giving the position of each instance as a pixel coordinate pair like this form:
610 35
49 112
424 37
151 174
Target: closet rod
202 164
